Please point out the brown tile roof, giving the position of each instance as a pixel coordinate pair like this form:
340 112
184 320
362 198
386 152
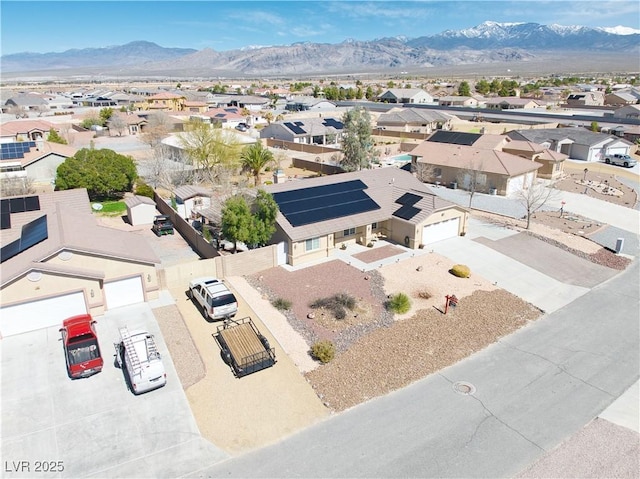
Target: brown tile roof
165 96
47 149
471 157
384 186
72 227
13 128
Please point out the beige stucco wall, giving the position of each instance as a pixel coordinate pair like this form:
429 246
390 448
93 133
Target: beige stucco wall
299 255
44 170
444 216
51 285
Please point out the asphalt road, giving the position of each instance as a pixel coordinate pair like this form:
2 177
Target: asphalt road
530 391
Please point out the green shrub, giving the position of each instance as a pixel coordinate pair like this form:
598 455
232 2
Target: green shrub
281 304
460 270
324 351
337 304
399 303
143 189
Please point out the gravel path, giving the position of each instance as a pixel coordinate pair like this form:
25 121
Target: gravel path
184 353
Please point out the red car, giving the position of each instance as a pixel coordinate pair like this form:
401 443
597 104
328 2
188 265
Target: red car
81 348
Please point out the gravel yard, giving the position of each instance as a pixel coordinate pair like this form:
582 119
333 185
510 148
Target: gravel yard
377 353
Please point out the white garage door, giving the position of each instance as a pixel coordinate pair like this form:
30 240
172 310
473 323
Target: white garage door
40 314
123 292
440 231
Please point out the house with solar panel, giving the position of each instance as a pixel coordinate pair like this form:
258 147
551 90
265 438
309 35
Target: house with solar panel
459 160
415 120
319 215
35 162
57 262
310 131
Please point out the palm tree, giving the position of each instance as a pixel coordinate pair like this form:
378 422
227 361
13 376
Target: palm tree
255 157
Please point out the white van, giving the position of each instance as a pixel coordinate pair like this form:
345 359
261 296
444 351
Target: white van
138 355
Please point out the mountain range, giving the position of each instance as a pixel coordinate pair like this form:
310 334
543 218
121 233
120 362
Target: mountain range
487 43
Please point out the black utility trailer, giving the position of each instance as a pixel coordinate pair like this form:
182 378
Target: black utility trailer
243 348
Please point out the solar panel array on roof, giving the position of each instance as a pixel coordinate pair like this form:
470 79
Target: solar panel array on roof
296 128
408 199
332 122
454 137
32 233
5 221
14 151
406 212
320 203
20 204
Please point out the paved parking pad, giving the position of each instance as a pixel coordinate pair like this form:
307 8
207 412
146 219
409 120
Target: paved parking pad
537 288
95 426
550 260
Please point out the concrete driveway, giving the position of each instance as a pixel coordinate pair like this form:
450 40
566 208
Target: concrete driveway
94 426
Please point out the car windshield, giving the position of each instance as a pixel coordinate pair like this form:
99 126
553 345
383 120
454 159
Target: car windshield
82 349
223 300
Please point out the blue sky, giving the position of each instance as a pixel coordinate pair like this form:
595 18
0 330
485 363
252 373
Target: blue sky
53 26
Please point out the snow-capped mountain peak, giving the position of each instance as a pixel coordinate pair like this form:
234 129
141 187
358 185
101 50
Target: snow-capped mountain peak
620 30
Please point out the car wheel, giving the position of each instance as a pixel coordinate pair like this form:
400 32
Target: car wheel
626 164
189 294
607 161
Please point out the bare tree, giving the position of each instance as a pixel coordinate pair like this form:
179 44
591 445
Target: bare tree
472 179
41 109
18 110
158 127
425 172
16 186
534 198
118 123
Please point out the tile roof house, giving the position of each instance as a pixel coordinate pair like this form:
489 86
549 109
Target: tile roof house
576 143
318 215
318 131
58 262
511 103
165 101
25 130
628 111
36 161
415 120
590 98
468 160
453 100
405 95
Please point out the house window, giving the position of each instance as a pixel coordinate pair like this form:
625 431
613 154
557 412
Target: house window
349 232
197 201
481 179
437 172
312 244
374 226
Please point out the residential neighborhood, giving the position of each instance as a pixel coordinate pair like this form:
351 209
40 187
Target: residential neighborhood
357 247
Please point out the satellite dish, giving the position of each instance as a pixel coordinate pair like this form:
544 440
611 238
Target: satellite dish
96 206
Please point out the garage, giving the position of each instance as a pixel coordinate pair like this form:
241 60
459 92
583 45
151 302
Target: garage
123 292
440 231
41 314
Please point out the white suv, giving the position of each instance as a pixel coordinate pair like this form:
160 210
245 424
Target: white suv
620 160
213 298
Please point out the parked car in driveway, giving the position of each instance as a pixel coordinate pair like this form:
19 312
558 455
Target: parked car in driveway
137 353
81 348
620 160
242 127
213 298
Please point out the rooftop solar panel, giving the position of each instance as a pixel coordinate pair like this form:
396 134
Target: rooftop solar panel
331 212
332 122
33 233
315 191
5 221
322 201
296 129
16 205
406 212
32 203
454 137
408 199
4 206
9 251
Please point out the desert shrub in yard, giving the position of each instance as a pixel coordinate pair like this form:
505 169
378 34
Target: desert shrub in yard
460 270
324 351
337 304
399 303
281 304
423 294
